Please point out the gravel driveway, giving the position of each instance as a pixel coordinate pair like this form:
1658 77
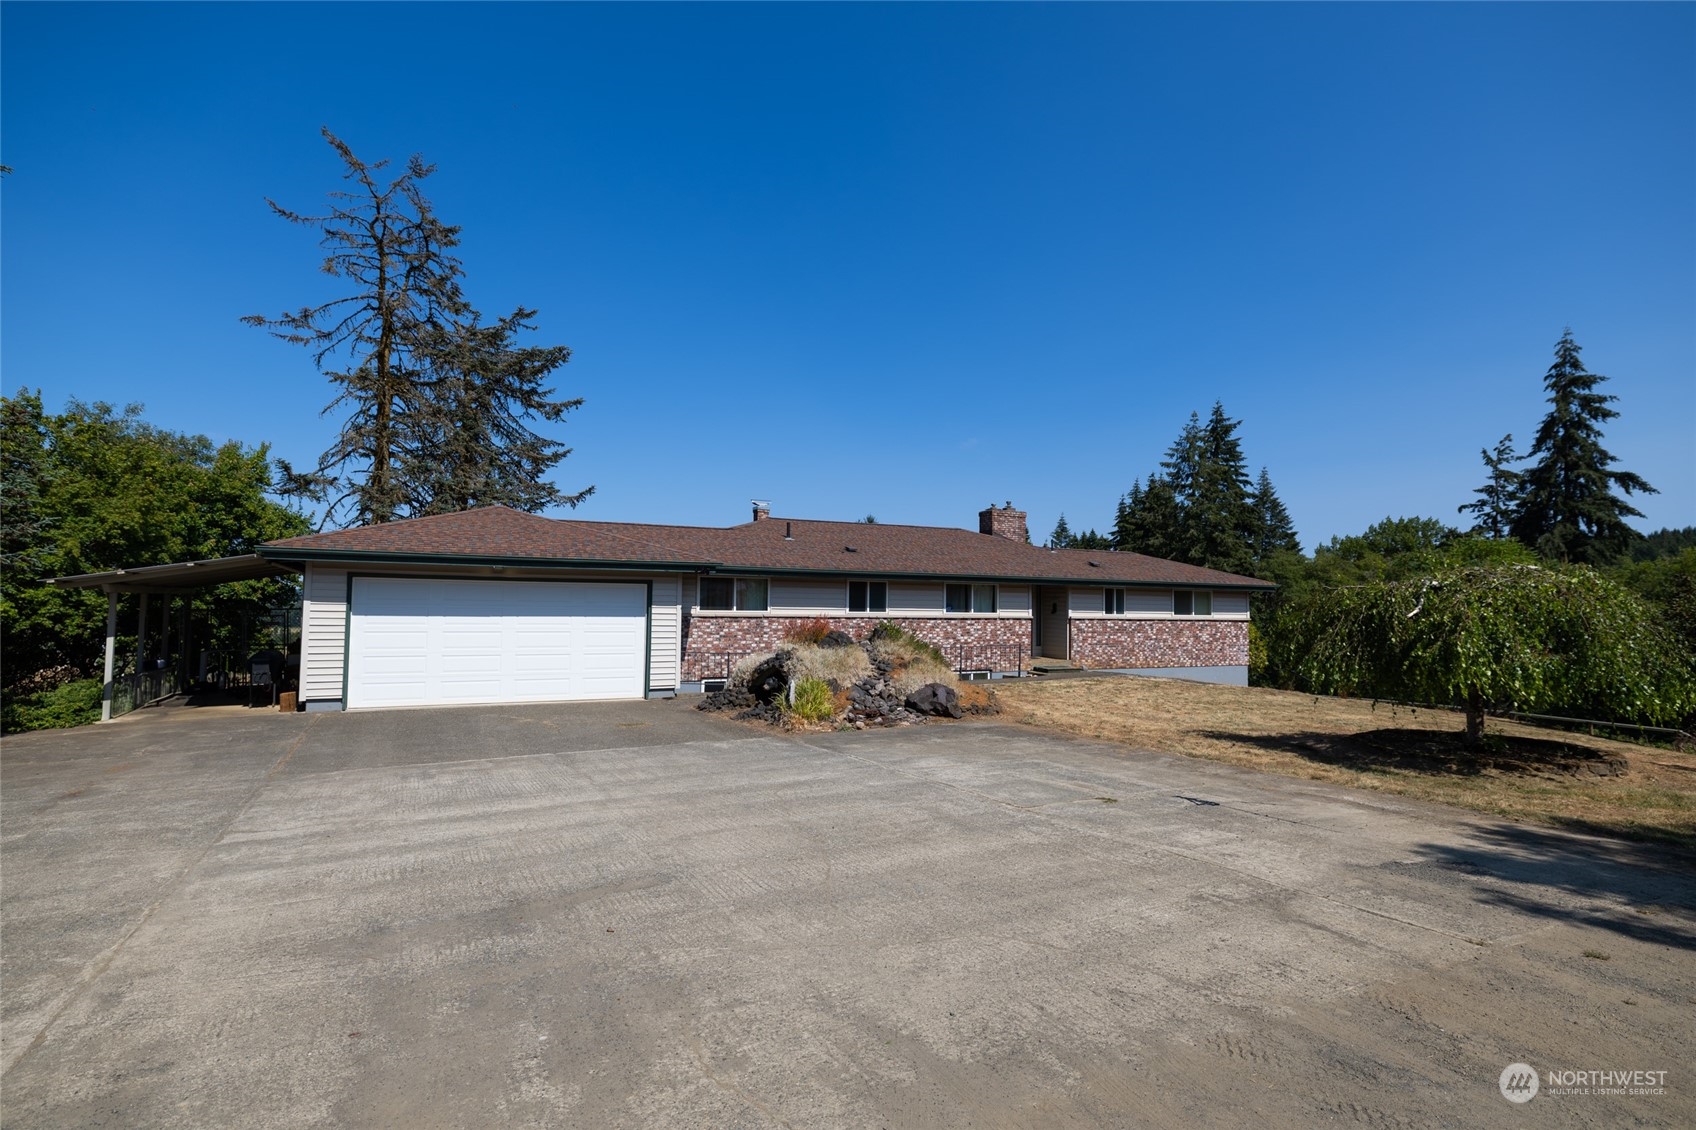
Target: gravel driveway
636 915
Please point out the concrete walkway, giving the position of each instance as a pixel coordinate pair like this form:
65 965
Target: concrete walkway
636 915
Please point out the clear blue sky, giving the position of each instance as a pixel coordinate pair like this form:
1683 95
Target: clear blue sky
904 260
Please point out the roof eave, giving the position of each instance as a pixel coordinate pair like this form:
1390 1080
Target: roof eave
392 557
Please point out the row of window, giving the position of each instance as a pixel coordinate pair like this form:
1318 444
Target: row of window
1184 603
752 594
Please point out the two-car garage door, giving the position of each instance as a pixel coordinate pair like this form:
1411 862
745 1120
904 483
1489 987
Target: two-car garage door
417 642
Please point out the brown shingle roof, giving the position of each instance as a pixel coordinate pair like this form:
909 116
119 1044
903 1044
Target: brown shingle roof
773 545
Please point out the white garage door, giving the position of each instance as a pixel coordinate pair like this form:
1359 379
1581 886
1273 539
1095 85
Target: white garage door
415 642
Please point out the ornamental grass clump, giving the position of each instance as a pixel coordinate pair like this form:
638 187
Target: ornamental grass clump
814 701
840 666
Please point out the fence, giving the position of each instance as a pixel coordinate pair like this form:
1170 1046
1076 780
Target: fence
132 692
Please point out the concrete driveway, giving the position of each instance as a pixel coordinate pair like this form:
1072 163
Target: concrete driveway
637 915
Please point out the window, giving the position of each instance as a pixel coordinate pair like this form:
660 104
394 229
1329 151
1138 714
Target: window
868 596
1115 602
739 594
969 598
1192 603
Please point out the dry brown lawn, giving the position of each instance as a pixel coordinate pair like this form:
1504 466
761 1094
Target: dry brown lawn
1524 773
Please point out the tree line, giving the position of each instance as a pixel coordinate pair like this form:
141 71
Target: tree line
1549 600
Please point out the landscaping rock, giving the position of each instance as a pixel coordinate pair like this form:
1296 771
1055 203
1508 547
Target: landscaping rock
770 680
732 699
837 639
934 699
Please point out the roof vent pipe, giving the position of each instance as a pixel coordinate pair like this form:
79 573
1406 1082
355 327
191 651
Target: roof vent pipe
788 531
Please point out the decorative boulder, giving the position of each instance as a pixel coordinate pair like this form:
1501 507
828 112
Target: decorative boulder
770 680
934 699
837 639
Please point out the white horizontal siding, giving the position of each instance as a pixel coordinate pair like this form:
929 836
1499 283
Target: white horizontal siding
665 633
827 598
323 634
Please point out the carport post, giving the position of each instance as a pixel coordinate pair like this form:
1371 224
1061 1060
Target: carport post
111 642
141 635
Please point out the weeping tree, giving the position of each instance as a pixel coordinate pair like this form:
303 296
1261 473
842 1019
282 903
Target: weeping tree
1521 637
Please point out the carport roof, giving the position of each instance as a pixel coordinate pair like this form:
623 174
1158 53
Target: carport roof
179 576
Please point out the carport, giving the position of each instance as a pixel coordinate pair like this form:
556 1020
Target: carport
167 582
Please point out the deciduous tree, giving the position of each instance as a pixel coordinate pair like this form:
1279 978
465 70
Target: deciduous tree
1525 637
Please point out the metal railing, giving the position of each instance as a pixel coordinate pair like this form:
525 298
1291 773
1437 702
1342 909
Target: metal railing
134 691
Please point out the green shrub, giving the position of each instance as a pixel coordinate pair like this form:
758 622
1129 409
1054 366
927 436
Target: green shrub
1256 657
71 704
814 701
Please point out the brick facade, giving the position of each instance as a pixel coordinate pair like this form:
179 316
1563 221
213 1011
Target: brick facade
1114 642
711 644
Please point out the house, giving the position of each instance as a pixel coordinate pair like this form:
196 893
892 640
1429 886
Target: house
494 605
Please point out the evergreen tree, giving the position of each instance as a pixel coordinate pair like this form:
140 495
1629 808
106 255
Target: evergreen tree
1218 512
1150 521
467 440
1273 531
1499 498
387 242
438 405
1570 510
1061 538
1091 540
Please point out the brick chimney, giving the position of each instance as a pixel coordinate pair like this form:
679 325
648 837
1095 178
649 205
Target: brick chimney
762 510
1005 522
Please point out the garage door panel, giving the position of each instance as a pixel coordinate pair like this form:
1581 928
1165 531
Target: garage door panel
415 641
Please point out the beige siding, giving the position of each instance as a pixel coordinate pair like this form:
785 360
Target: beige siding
827 598
665 633
1230 604
323 622
1015 599
907 596
1055 626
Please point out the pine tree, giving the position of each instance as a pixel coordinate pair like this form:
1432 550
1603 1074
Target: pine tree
1499 498
1274 532
468 442
1061 538
1570 510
